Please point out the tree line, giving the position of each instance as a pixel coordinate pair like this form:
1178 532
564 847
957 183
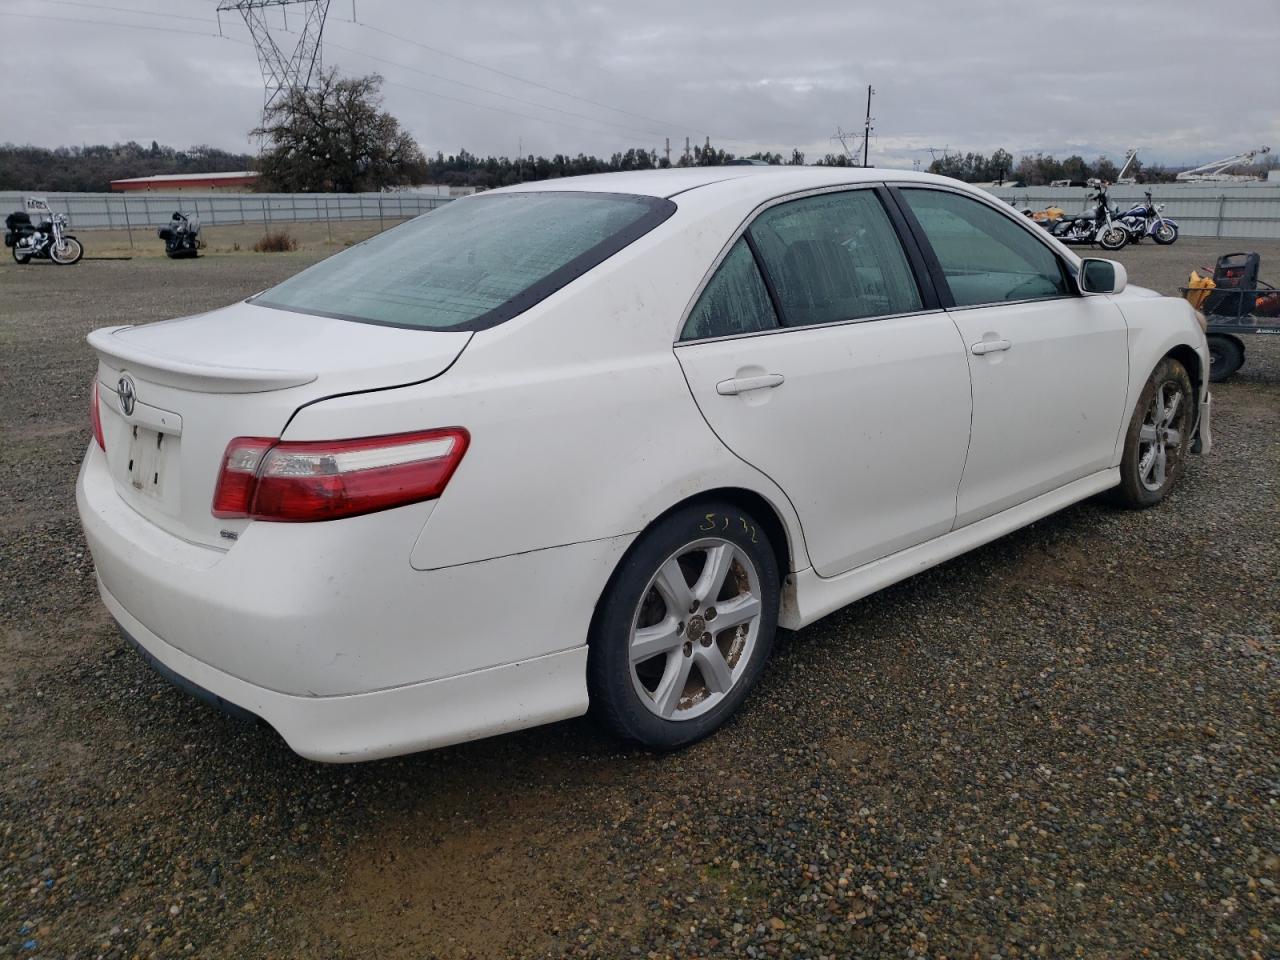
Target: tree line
1040 169
90 169
335 137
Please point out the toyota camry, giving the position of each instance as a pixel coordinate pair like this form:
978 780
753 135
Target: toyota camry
588 443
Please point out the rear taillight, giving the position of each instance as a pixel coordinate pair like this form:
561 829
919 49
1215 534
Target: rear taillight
267 479
95 417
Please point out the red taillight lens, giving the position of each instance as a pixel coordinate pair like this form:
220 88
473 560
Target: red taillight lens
268 479
95 416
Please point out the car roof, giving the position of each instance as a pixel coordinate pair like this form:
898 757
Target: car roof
768 180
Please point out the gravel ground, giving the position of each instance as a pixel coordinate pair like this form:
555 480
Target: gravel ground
1061 745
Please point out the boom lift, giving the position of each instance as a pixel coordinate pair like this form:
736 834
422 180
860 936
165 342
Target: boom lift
1216 171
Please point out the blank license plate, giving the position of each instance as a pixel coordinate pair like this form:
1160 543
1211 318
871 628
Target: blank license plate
146 461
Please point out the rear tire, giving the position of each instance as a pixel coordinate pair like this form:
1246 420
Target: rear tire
19 258
1226 356
685 626
1158 438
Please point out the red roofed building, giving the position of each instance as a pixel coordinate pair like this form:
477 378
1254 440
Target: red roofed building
240 182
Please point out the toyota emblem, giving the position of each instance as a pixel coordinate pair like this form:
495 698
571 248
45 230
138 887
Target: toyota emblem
128 396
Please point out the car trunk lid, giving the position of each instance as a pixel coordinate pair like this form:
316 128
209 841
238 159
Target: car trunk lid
173 394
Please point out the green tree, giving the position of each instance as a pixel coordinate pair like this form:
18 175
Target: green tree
1104 169
334 136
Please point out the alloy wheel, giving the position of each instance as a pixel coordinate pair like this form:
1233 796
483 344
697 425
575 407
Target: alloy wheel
1159 439
695 629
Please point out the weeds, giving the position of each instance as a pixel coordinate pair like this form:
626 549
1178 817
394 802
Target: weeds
276 241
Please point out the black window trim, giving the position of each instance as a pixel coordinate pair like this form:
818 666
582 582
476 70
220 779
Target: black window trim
934 266
930 302
660 210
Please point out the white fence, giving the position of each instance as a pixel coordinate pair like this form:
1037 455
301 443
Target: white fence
146 211
1250 211
1210 210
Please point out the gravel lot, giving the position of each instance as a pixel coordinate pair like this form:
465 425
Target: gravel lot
1061 745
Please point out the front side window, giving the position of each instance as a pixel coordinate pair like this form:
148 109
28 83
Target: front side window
834 257
734 302
986 257
472 263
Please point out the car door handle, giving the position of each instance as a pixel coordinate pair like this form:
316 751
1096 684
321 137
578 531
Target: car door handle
990 346
731 388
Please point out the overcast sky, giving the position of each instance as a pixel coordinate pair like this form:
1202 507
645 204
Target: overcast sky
1181 80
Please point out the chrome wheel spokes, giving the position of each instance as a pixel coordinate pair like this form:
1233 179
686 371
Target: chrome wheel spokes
695 629
1159 440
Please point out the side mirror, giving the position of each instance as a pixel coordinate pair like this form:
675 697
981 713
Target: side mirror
1098 276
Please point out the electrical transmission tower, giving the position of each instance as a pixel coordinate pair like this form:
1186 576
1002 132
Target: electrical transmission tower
844 137
287 65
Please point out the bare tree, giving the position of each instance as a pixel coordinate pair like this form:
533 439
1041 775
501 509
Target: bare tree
334 136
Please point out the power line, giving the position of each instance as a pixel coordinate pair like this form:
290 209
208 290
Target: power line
116 23
495 93
533 83
513 113
509 76
136 13
471 103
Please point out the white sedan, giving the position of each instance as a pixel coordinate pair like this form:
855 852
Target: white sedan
590 442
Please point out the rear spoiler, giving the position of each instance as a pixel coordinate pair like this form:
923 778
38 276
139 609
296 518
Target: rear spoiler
185 375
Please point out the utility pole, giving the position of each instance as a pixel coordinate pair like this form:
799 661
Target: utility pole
686 149
668 151
866 136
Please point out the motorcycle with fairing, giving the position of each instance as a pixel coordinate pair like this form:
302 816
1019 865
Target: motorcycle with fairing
1098 224
1146 219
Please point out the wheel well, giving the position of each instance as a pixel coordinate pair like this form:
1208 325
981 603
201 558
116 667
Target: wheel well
1186 356
752 503
759 508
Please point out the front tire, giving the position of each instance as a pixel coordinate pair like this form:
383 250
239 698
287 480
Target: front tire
685 626
1158 437
1165 234
68 252
1113 238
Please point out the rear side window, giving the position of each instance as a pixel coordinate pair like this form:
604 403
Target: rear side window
986 257
472 263
834 257
734 302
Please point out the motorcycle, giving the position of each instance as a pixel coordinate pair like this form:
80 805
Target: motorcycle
47 240
181 236
1096 225
1145 220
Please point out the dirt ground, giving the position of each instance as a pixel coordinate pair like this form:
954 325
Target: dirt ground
1064 744
314 239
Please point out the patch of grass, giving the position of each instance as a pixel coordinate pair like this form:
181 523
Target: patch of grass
276 241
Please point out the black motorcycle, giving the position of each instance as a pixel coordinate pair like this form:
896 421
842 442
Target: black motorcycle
181 236
1099 224
47 240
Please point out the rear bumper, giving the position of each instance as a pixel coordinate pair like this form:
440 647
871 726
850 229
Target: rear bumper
418 716
328 633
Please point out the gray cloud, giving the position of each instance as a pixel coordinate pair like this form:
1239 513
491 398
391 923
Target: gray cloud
1086 76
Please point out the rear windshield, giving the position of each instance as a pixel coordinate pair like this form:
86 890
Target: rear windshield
472 263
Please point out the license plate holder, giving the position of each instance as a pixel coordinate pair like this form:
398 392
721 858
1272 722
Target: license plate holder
145 466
